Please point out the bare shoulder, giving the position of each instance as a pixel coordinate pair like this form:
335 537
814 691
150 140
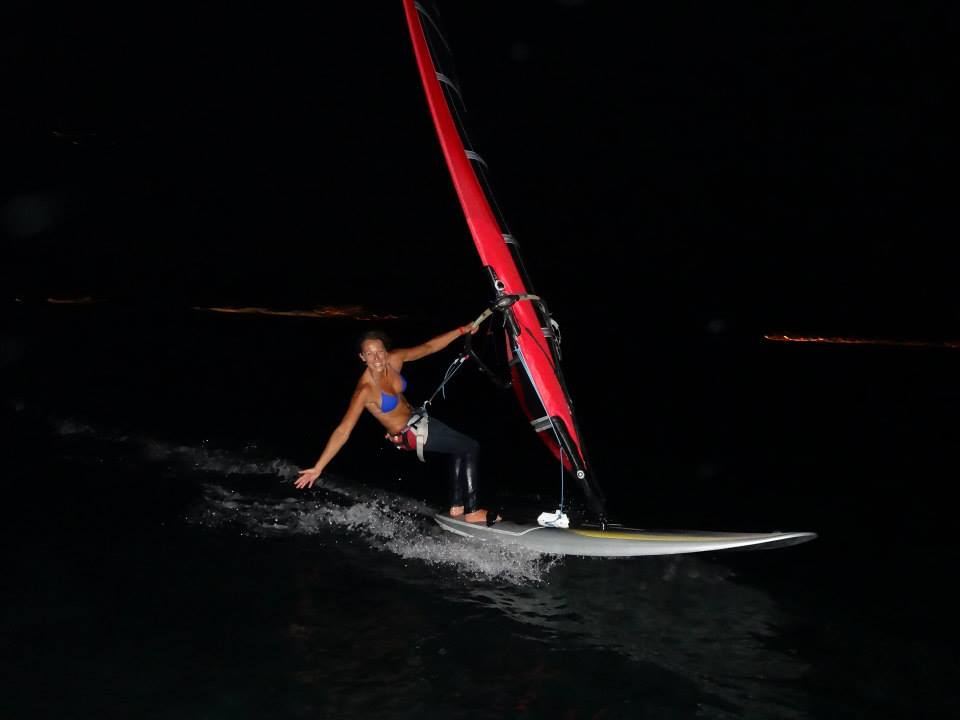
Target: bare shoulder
395 358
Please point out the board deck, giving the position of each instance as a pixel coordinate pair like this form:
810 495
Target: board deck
616 541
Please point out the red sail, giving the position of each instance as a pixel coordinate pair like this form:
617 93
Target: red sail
531 336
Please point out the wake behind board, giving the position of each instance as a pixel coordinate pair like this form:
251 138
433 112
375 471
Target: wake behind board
618 541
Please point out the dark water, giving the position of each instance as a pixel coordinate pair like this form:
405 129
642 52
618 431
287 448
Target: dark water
158 563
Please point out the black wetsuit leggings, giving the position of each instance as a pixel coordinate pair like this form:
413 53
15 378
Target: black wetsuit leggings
464 455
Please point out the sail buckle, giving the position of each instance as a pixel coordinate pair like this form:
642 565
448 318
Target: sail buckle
542 423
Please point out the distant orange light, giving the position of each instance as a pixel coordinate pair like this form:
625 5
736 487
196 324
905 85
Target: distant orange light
861 341
85 300
354 312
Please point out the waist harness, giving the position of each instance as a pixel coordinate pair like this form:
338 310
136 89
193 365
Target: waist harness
413 435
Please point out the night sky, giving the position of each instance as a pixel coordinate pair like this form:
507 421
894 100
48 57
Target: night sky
787 168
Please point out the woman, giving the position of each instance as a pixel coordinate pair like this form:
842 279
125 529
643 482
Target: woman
380 391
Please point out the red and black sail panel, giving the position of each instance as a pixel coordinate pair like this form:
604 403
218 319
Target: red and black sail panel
532 344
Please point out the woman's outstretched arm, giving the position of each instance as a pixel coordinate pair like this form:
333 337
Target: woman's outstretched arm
433 344
338 438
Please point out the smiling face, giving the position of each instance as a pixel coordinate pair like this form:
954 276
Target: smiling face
374 355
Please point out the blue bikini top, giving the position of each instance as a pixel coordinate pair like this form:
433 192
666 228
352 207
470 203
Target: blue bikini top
389 402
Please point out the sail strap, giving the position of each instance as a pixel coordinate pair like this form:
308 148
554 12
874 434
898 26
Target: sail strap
502 304
419 420
447 377
461 359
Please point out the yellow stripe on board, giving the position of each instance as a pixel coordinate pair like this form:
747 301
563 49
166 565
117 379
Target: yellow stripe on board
610 535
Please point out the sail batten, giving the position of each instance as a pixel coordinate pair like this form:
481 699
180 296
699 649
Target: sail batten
528 325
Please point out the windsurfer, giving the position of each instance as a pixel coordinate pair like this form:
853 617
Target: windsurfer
380 391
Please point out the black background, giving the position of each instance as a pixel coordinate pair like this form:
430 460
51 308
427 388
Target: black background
782 168
683 180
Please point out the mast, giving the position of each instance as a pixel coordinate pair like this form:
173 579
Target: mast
532 343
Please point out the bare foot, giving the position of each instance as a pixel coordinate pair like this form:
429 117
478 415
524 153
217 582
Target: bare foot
456 511
478 516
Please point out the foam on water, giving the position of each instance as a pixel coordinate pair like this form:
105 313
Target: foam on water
336 512
687 616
